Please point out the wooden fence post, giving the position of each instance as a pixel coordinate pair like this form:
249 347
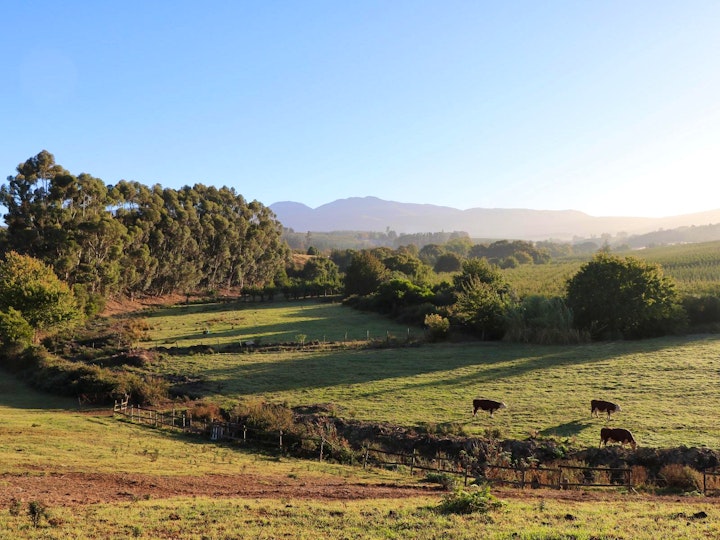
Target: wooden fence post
322 447
281 439
365 459
704 481
412 462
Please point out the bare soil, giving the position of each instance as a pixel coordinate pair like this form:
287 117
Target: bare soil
77 488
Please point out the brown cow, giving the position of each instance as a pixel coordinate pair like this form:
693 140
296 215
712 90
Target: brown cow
598 405
619 435
487 405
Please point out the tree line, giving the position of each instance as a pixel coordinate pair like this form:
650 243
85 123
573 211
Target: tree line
130 239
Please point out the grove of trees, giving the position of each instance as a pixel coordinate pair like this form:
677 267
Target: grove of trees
129 239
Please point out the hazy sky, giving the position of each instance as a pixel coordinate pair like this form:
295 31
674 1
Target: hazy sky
608 107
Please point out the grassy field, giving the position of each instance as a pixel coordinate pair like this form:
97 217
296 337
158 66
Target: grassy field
666 387
223 323
695 269
529 519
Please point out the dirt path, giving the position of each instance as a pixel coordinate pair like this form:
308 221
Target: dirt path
89 488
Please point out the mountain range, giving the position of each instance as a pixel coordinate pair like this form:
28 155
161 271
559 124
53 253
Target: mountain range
374 214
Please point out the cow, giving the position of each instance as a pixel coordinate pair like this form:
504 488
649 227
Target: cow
619 435
598 405
487 405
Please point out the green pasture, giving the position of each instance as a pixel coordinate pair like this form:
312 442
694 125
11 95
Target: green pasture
530 519
283 322
41 434
667 387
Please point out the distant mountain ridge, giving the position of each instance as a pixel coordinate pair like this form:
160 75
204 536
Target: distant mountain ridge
374 214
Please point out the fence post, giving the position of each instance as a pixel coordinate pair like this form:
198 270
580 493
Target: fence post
365 459
244 433
467 473
704 481
412 462
322 447
281 439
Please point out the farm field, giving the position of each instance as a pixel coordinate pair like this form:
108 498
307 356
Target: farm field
99 477
95 478
695 269
666 386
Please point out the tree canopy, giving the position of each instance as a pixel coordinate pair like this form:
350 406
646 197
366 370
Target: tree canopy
131 239
614 297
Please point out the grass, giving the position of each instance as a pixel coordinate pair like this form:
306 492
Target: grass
223 323
666 387
536 518
41 435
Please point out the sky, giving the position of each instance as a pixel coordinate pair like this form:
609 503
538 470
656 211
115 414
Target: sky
610 108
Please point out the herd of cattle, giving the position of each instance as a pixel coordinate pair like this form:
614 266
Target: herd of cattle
597 406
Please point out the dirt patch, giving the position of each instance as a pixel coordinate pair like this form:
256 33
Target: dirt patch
75 489
70 489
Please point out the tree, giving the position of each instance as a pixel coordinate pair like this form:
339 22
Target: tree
448 262
482 298
32 288
614 297
364 274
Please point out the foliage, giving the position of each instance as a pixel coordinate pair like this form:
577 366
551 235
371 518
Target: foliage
15 331
537 319
132 239
476 500
364 274
437 325
613 297
482 299
702 311
266 416
32 288
679 477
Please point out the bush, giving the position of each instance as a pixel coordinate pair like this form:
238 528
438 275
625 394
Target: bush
15 331
265 416
438 326
679 477
461 501
447 481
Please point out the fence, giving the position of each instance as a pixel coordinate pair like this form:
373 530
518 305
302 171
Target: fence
559 477
711 481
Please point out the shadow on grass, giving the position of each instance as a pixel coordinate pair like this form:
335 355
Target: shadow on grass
485 363
321 321
17 394
568 429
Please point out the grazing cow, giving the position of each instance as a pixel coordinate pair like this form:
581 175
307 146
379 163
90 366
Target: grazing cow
487 405
619 435
598 405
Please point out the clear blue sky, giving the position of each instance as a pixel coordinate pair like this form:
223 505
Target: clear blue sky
610 107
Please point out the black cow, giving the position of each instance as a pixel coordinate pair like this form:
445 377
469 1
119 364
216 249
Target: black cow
619 435
487 405
598 405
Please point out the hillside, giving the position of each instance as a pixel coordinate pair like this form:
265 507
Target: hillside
373 214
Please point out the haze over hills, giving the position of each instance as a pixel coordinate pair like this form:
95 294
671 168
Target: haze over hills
374 214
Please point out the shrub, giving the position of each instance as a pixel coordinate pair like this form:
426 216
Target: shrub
679 477
478 500
437 325
265 416
447 481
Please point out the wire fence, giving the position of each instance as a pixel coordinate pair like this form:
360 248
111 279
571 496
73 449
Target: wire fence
322 448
